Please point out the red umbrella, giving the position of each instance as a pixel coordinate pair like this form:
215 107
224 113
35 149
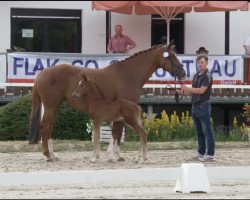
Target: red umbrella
124 7
211 6
168 9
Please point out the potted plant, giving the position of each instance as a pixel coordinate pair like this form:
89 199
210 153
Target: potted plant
246 117
246 114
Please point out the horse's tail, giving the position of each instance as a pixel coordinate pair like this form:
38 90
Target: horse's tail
35 117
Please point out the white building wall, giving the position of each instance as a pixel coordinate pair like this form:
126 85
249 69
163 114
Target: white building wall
239 29
201 29
205 29
93 22
137 27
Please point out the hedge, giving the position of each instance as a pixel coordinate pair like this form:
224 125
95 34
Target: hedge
72 124
14 120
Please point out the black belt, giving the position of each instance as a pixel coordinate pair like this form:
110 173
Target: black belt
199 103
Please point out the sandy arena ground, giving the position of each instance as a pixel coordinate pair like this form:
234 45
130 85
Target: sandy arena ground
77 160
142 190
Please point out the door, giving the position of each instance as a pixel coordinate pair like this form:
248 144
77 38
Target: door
159 29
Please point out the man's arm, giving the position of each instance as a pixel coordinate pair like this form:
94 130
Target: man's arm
109 48
131 43
183 92
191 90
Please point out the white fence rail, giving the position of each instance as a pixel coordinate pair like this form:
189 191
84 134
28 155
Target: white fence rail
15 179
106 134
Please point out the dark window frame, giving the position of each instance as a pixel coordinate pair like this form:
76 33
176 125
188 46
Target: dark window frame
108 28
46 15
182 50
227 33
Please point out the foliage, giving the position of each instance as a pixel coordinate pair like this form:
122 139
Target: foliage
72 124
244 130
175 128
166 128
14 120
246 109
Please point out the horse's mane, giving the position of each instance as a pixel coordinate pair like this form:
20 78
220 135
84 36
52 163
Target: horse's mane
96 89
139 53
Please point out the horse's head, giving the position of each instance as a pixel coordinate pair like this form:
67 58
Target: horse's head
82 87
170 62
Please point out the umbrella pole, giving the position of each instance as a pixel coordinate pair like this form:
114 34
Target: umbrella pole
168 31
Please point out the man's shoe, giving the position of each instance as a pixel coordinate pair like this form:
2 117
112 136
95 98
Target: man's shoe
196 157
207 158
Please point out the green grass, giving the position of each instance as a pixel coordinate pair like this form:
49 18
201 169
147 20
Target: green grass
75 145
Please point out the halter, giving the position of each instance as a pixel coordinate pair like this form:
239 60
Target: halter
175 72
176 95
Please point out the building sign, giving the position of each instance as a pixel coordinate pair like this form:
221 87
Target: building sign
27 33
25 67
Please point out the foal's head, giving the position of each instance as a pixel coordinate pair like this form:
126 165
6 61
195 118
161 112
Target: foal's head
83 87
170 63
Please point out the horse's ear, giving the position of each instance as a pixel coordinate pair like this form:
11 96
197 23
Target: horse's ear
170 46
83 76
171 43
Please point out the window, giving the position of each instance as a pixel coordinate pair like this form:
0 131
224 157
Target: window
159 29
46 30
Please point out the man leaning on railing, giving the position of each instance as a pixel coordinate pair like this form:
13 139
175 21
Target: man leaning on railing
120 43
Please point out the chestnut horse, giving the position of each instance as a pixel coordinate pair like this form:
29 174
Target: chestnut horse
101 109
121 80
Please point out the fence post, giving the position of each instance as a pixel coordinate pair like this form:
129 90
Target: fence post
248 70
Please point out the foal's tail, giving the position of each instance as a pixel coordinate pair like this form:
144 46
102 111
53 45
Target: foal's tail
35 117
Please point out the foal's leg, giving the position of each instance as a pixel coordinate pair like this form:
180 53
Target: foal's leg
134 117
114 145
46 132
96 128
117 142
111 151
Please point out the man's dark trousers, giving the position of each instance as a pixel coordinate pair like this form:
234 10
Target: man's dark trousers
201 114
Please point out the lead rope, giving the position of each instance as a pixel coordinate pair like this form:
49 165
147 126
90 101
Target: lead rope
179 99
176 95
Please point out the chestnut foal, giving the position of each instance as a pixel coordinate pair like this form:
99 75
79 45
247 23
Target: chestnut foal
101 109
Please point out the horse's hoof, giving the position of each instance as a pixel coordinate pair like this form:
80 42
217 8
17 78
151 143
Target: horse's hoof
93 160
136 161
111 160
56 159
142 162
50 160
121 159
139 162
